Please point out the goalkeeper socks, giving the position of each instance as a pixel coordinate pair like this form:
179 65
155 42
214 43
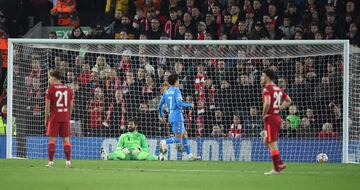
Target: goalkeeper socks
275 155
67 150
186 145
172 140
51 150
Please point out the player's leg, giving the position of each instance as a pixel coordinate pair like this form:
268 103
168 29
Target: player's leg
146 156
117 154
52 132
272 125
186 145
64 132
175 127
51 151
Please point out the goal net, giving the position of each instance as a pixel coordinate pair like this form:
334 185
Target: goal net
117 80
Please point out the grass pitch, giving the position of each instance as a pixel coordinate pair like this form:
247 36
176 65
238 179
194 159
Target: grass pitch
108 175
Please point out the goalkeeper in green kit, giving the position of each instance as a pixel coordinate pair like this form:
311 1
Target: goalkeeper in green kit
131 146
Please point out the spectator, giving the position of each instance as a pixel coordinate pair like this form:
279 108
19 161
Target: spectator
77 33
189 23
126 62
196 15
306 129
324 92
354 34
180 33
211 25
124 26
252 123
3 120
327 132
172 24
35 96
84 76
236 15
155 31
66 13
101 65
294 14
140 22
227 27
200 125
235 130
201 28
52 35
313 120
217 131
119 5
241 31
287 29
117 114
144 63
95 113
258 10
274 33
294 120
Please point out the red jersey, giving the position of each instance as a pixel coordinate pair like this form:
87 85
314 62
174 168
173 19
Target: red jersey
60 97
277 95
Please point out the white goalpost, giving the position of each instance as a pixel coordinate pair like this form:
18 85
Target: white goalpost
114 80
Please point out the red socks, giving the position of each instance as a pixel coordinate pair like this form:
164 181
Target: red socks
67 150
51 150
275 154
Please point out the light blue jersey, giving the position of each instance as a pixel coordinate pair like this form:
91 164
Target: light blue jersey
174 102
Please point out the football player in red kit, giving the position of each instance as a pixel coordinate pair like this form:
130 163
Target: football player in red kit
274 101
58 108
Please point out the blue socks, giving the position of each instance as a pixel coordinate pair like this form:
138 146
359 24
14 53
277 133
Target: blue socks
185 142
172 140
186 145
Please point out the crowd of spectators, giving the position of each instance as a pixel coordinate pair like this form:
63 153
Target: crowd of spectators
189 19
227 94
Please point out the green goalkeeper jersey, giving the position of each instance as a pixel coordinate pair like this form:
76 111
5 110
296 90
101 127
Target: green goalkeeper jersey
132 141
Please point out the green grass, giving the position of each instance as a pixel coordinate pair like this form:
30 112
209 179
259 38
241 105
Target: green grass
88 175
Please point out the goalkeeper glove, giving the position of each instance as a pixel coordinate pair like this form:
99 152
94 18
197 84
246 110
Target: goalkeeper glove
125 151
136 152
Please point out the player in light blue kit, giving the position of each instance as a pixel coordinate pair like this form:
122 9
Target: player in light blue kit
174 103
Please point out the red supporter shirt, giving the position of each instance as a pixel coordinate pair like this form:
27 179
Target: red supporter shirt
60 97
277 95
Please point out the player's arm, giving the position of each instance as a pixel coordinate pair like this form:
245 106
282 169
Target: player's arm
47 110
266 105
121 142
71 102
47 106
179 100
144 144
161 104
286 103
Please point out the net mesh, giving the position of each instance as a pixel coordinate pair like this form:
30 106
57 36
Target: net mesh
354 106
115 82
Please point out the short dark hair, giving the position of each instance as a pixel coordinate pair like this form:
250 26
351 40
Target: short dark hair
173 78
53 33
55 73
133 120
270 73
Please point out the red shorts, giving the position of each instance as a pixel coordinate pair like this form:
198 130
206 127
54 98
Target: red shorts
272 126
61 129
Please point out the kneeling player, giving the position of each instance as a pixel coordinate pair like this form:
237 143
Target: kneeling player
131 146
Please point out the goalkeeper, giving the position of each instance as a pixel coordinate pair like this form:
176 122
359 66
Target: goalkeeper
131 146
